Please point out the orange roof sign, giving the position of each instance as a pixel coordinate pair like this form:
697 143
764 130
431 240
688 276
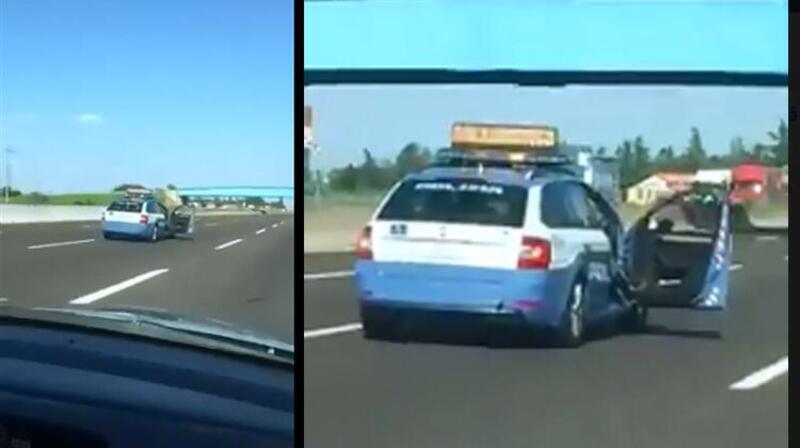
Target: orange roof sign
500 136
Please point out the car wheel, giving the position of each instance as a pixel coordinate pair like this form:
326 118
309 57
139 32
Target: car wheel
106 235
635 319
571 328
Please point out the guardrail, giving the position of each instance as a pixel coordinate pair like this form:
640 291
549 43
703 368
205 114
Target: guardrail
23 214
20 214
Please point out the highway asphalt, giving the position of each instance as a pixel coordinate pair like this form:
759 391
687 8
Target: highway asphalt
249 283
693 380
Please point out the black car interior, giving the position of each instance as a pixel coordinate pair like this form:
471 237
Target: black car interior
670 250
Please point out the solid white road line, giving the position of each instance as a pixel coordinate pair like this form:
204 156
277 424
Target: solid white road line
325 275
736 266
65 243
260 231
113 289
310 334
228 244
763 376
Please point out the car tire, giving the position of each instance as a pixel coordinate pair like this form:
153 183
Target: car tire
107 236
571 328
635 319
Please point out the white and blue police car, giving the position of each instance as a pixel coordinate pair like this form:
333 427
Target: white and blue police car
139 215
494 243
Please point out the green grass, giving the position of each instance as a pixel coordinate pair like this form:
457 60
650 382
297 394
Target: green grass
67 199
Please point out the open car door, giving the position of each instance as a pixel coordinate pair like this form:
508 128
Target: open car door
180 216
679 253
182 221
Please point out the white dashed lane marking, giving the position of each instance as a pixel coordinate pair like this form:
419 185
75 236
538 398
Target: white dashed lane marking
326 275
113 289
64 243
260 231
763 376
330 331
228 244
767 238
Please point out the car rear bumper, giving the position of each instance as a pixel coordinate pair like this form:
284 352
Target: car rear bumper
450 321
479 295
127 229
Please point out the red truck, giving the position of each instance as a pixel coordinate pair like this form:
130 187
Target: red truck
751 182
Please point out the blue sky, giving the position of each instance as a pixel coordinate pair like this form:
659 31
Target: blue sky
191 92
384 118
751 35
727 35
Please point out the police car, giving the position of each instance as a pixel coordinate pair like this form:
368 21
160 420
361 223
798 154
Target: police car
497 242
140 215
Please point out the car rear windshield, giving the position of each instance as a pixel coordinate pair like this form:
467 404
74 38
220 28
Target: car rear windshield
125 206
457 201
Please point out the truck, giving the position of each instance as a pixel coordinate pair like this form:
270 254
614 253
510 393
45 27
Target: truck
753 182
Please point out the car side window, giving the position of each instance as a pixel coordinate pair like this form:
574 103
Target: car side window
596 213
151 207
562 207
579 201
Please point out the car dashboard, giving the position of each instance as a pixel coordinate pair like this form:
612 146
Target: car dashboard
62 387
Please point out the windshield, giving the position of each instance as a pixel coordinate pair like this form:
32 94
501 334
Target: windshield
146 163
457 201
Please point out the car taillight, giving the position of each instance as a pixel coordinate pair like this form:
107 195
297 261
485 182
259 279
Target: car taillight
143 219
364 244
534 254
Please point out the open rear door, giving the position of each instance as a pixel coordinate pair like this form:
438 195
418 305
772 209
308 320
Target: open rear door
679 253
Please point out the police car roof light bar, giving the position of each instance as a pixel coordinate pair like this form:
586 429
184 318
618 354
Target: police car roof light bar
520 161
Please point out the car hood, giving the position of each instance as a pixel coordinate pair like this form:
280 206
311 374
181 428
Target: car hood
206 332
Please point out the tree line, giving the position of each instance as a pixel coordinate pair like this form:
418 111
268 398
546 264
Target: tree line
373 175
637 160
